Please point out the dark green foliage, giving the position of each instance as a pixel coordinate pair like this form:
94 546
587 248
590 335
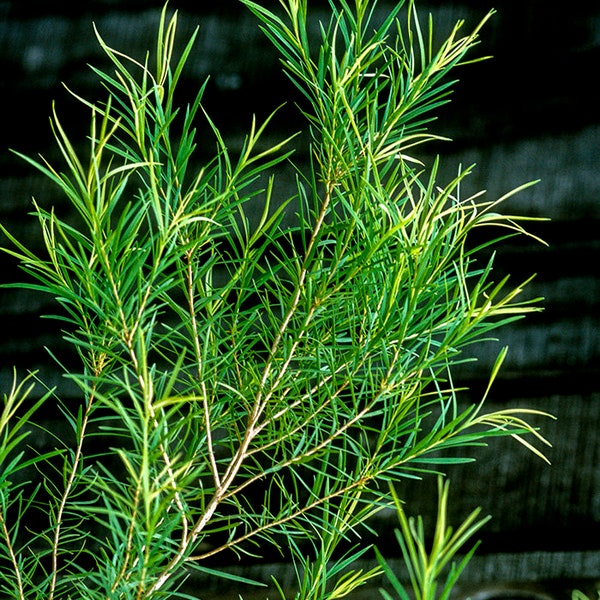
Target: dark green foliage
259 380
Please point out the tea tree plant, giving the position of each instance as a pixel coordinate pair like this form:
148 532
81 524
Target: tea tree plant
251 381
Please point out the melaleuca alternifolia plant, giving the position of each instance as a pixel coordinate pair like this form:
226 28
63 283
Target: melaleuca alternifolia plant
251 380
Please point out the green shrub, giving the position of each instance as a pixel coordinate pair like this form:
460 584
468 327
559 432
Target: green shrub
251 381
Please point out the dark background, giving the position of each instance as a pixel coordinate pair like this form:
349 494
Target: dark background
529 113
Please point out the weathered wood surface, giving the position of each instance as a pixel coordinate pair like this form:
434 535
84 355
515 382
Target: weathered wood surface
530 113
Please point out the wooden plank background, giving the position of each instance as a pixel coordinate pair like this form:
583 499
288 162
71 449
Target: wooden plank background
530 113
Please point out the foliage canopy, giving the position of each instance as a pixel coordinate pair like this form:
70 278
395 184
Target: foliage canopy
252 379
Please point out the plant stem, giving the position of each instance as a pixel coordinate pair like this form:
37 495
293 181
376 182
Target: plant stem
73 473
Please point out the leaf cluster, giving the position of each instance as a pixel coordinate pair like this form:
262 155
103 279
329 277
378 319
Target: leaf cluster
254 379
428 563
